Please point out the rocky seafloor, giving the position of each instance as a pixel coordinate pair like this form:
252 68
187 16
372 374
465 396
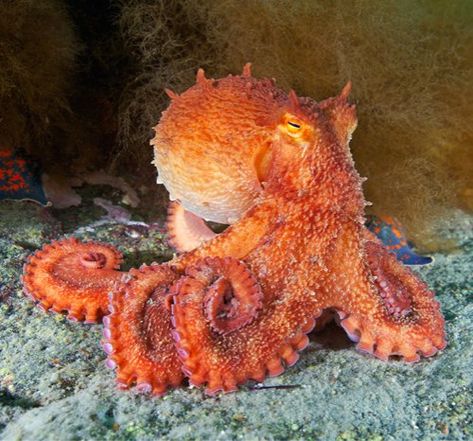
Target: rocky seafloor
54 385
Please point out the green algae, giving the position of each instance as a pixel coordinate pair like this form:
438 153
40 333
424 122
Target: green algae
54 386
26 223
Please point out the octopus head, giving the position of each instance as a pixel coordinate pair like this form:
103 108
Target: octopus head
295 135
310 142
295 126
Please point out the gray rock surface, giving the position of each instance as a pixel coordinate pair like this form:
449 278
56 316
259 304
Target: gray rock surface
54 385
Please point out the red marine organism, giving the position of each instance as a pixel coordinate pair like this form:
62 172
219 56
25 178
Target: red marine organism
239 305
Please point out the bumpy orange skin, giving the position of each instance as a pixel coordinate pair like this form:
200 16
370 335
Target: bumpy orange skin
73 277
212 159
305 242
137 333
238 305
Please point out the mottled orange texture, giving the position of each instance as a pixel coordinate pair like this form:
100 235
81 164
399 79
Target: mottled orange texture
304 240
239 305
73 277
230 116
138 331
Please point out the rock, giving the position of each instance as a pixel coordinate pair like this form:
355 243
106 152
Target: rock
54 385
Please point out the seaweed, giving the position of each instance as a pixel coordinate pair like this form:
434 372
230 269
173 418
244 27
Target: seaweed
408 62
82 83
38 50
167 42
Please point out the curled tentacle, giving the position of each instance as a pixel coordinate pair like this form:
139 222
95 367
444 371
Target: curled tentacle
232 294
409 322
186 230
73 276
138 331
93 260
223 333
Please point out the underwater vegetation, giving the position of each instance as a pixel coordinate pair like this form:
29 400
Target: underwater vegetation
60 61
409 63
167 42
38 52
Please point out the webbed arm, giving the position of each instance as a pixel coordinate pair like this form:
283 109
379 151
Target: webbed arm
238 240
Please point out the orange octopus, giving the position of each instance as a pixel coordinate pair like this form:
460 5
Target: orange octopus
239 305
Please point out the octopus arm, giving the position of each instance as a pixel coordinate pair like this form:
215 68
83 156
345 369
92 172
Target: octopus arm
74 277
142 334
229 331
137 333
384 307
186 231
238 240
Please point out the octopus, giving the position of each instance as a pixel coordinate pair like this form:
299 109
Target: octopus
239 305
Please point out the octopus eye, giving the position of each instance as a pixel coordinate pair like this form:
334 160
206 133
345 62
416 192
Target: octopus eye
293 128
294 125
